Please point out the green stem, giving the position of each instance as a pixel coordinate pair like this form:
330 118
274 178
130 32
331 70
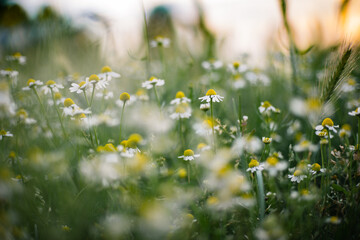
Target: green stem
44 112
59 115
181 134
86 98
261 195
212 123
121 121
188 167
157 97
92 95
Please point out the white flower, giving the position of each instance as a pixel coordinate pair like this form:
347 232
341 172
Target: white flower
71 109
189 155
254 166
97 82
205 128
305 145
349 85
79 88
105 94
333 220
9 73
266 140
205 106
248 143
211 96
51 85
160 41
266 108
238 82
182 110
315 168
17 57
297 176
23 115
356 112
236 68
4 133
180 98
153 81
32 83
212 64
327 123
272 165
108 74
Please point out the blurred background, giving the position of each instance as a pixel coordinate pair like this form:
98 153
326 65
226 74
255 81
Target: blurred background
115 27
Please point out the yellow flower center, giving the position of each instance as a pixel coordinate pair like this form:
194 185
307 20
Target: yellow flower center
181 108
50 82
334 219
100 149
3 132
123 143
316 167
346 127
57 96
124 96
327 122
210 92
106 69
305 143
266 140
180 94
94 77
30 81
253 163
297 173
236 64
266 104
12 154
272 161
201 146
152 78
109 147
323 133
351 82
188 153
182 173
304 192
82 83
313 103
212 200
135 137
17 54
140 92
208 123
22 113
68 102
80 116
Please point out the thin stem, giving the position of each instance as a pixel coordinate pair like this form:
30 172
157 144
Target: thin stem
157 97
188 167
59 115
121 121
92 95
212 123
86 98
44 112
181 134
261 195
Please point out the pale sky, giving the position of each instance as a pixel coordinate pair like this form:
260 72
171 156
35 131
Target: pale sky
245 25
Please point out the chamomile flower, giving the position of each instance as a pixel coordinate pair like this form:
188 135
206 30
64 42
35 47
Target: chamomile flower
51 85
333 220
324 134
212 64
297 176
349 85
273 165
267 108
345 131
17 57
71 109
315 168
182 110
202 147
32 83
266 140
356 112
160 41
328 124
180 98
238 81
9 73
97 82
305 145
211 96
254 166
108 73
247 143
237 67
4 133
23 116
205 107
105 94
79 88
153 81
141 95
189 155
205 128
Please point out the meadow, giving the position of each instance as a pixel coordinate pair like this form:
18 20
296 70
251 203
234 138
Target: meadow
171 144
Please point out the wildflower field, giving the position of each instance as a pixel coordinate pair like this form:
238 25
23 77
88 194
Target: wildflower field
174 144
